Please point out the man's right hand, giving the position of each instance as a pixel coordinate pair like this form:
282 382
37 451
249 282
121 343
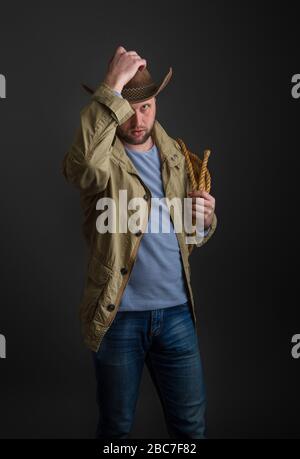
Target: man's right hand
122 67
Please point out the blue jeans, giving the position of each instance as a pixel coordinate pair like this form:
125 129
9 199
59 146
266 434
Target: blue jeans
166 340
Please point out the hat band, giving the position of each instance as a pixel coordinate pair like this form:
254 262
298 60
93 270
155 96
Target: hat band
139 93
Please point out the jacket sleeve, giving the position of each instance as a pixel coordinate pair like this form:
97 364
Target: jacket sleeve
207 234
86 164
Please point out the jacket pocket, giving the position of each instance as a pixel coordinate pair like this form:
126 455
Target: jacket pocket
96 284
98 272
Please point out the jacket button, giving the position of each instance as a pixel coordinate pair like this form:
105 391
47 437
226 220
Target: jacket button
146 197
124 271
111 307
138 233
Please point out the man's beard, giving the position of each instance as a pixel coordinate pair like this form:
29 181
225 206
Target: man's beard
133 140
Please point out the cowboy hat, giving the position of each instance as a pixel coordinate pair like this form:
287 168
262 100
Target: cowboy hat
141 87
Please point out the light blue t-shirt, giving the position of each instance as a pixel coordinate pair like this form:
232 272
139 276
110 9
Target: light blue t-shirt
157 277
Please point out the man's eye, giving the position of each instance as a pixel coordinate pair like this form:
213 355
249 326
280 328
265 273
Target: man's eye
146 105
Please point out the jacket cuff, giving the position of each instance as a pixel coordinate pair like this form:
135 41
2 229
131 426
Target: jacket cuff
204 232
120 108
209 231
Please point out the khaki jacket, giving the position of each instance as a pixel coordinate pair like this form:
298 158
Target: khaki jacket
97 164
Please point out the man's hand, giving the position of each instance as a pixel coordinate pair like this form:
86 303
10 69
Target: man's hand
122 67
203 204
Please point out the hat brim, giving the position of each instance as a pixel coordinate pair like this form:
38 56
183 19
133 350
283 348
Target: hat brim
140 97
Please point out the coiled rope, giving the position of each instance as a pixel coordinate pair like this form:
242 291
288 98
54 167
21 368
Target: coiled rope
197 170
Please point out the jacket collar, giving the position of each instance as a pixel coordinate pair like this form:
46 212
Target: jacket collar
168 149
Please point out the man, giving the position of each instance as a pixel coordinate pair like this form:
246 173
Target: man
137 305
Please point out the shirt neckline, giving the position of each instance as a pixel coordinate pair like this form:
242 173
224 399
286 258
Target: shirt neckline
141 152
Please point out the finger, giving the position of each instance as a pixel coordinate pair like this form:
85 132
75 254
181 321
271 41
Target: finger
137 58
208 211
131 53
200 216
120 50
195 194
199 211
203 201
198 207
200 201
133 56
197 200
142 63
201 194
204 210
206 195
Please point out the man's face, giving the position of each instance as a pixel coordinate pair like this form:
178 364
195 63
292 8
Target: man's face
138 127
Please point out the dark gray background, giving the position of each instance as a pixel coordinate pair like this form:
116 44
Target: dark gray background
230 91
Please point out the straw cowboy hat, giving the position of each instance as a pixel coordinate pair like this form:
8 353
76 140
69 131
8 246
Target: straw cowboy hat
141 87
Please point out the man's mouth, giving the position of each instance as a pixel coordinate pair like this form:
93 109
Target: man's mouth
137 132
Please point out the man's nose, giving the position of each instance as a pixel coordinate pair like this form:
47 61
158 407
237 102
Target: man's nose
137 118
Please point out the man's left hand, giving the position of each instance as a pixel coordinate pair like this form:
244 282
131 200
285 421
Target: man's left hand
204 207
